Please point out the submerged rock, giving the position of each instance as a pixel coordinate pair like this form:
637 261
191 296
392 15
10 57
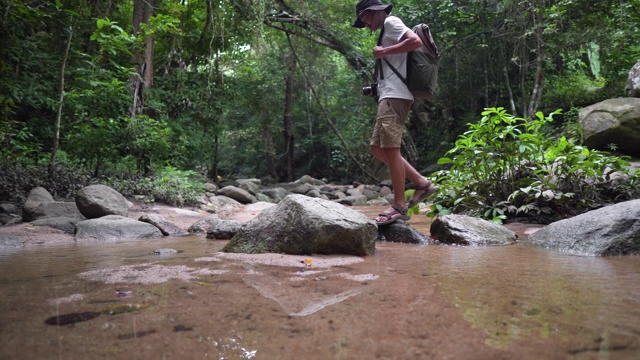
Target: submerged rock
401 232
300 225
67 319
467 230
113 228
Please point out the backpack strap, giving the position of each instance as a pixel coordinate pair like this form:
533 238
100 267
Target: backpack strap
378 66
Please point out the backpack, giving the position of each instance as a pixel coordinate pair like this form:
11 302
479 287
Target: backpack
422 66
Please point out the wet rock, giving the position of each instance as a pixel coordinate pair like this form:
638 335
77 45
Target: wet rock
612 230
401 232
467 230
95 201
67 319
36 196
113 228
10 242
302 225
162 224
182 328
164 252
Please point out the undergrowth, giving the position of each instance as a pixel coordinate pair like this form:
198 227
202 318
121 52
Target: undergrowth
506 167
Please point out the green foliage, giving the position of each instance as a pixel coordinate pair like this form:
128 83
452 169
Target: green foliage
18 178
506 167
17 141
217 99
169 185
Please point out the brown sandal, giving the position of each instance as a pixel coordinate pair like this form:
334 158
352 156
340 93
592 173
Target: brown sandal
391 217
428 190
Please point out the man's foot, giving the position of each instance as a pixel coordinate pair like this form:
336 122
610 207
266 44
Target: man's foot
391 215
421 193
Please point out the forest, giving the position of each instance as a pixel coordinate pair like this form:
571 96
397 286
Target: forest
157 96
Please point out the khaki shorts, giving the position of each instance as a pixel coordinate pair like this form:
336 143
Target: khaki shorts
387 132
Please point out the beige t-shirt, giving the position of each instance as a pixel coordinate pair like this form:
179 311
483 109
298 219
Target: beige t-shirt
391 86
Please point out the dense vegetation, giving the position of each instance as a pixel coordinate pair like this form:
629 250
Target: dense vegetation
153 96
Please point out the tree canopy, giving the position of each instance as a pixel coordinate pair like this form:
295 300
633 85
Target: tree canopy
272 88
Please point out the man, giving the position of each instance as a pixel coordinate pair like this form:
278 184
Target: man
393 105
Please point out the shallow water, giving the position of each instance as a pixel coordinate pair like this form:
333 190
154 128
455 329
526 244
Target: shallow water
406 301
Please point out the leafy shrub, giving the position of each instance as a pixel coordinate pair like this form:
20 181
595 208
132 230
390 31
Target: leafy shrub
505 167
17 179
169 185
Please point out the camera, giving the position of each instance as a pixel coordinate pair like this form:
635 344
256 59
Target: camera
371 90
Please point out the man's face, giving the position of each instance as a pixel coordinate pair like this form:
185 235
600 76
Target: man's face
371 19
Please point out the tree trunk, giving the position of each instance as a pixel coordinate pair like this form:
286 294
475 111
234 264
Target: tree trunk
142 12
56 138
409 148
288 107
507 82
269 148
536 93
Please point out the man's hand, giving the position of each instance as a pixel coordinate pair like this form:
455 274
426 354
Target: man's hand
378 52
410 41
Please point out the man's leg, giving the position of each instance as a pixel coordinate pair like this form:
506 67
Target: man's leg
393 156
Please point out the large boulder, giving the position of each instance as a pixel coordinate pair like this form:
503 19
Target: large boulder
303 225
611 230
95 201
633 82
467 230
35 197
613 121
112 228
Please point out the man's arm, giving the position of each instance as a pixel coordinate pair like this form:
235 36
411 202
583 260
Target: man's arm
409 41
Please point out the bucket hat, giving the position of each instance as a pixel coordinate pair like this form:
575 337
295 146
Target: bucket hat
363 5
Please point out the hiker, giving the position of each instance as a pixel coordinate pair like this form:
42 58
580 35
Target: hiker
394 103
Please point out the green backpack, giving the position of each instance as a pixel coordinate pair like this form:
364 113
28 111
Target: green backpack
422 66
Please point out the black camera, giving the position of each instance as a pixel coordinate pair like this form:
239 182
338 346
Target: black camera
371 90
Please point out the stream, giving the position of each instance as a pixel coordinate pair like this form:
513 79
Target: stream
404 302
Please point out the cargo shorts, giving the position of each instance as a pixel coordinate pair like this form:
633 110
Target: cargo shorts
387 131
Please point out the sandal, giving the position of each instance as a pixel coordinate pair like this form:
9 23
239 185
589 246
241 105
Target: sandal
428 190
391 217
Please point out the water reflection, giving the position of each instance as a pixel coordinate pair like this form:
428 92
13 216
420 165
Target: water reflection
518 292
406 301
